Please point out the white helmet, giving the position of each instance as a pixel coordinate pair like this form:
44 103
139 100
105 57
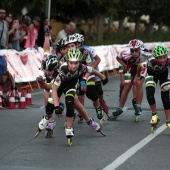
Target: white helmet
134 43
70 39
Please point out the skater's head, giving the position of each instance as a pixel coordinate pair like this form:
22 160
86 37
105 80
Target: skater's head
50 64
80 39
61 47
161 54
135 47
73 58
71 41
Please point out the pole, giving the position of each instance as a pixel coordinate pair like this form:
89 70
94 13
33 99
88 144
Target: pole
47 8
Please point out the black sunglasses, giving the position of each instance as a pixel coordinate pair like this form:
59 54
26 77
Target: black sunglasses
134 50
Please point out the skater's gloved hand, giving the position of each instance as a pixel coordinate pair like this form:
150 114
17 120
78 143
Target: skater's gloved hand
105 80
58 111
40 79
83 85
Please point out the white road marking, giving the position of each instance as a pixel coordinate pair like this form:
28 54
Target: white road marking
122 158
42 107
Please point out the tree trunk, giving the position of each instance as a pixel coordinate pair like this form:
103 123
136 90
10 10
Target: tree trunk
100 22
121 20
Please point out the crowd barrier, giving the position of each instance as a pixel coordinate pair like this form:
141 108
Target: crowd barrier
25 64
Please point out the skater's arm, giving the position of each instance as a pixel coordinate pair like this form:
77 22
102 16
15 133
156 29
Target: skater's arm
55 96
121 62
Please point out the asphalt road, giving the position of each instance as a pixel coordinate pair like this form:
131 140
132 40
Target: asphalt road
128 145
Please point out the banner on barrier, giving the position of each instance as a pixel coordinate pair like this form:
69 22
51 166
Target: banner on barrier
25 64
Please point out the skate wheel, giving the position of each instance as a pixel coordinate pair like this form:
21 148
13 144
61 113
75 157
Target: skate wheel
80 120
152 129
65 125
136 118
49 134
102 133
37 133
69 141
102 120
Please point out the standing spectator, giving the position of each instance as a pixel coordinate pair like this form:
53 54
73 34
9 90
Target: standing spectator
32 32
17 35
25 22
3 29
63 33
72 27
43 35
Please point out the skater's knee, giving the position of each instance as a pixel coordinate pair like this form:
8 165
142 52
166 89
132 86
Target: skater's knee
69 101
98 87
49 108
92 93
165 99
150 90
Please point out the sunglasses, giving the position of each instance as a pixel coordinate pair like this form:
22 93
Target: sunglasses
134 50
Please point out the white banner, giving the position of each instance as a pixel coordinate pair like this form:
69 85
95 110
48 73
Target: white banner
25 64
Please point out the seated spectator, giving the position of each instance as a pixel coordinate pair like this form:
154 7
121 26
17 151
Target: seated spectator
63 33
72 27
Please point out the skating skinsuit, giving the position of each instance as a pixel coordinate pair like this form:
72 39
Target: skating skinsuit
67 80
159 73
132 62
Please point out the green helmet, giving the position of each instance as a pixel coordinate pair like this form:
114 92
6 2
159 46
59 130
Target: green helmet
73 54
159 51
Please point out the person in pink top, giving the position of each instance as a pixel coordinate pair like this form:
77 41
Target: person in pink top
32 33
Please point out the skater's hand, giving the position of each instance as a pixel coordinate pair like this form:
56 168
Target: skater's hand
83 85
58 111
40 79
105 80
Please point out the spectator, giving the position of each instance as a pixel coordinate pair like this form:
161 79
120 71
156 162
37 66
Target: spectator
63 33
32 32
43 35
17 35
3 29
25 22
72 27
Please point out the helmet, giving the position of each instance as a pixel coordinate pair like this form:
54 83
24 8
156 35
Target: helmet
84 53
134 43
70 39
50 63
73 54
61 43
159 51
141 43
80 37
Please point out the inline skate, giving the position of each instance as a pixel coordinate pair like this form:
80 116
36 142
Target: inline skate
154 122
116 113
42 125
138 112
168 123
49 129
80 119
106 110
94 125
69 134
99 112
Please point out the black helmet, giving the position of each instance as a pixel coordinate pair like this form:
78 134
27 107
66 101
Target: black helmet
50 63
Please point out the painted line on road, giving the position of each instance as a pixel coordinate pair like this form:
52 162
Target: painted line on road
122 158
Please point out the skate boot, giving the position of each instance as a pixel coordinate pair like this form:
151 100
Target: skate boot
42 125
80 119
134 102
49 129
105 109
62 106
138 112
168 123
154 122
94 125
116 113
100 116
74 117
69 134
